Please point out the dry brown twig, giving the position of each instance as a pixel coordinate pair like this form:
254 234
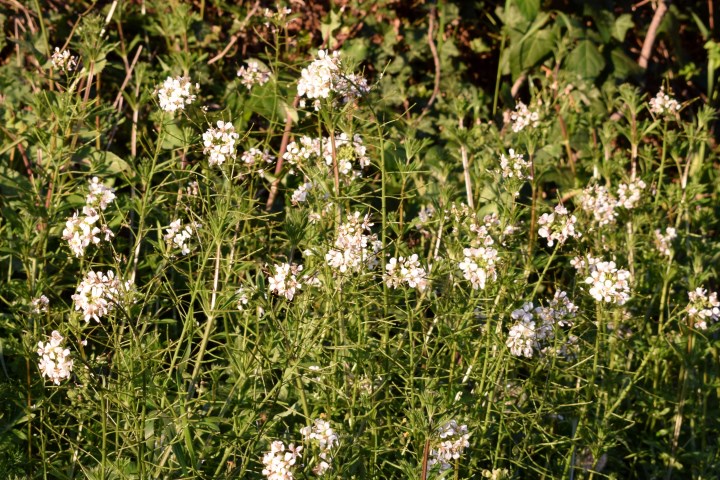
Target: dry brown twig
436 60
647 47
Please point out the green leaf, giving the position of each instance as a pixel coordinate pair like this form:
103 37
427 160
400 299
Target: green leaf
622 24
585 60
623 66
531 51
529 8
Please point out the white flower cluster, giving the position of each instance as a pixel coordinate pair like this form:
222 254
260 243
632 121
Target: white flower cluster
300 194
453 439
63 60
220 143
324 77
97 294
82 230
355 247
522 117
253 74
406 270
496 474
607 283
478 266
664 104
40 304
324 437
348 153
255 156
285 282
663 243
177 235
515 166
55 362
175 93
535 327
242 295
600 203
280 461
703 307
629 194
557 226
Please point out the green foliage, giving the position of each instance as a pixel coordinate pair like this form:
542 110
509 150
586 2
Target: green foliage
206 351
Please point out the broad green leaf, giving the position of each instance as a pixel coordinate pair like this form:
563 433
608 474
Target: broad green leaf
622 24
623 66
529 8
531 51
585 60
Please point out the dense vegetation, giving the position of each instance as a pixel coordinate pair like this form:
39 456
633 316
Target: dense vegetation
359 239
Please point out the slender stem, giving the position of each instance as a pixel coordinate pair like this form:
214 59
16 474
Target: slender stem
658 188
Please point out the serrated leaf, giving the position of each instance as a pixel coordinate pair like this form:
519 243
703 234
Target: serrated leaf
585 60
623 23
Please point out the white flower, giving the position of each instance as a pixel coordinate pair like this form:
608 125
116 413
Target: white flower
55 362
175 93
97 294
280 460
515 166
522 337
321 433
355 247
285 282
664 104
703 307
557 226
301 193
522 117
406 270
453 440
242 298
663 243
324 77
100 196
608 283
219 143
348 153
40 304
255 155
478 266
63 60
253 74
81 232
597 201
177 235
629 194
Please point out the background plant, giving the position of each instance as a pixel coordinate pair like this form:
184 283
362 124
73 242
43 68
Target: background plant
243 299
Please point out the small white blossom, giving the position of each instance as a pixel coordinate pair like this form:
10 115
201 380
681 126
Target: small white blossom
300 194
664 104
252 74
177 235
97 294
176 93
703 308
349 152
608 283
55 362
324 77
629 194
40 304
453 439
406 270
663 243
219 143
255 156
63 60
280 461
355 247
515 166
557 226
321 433
478 266
522 117
285 282
598 202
